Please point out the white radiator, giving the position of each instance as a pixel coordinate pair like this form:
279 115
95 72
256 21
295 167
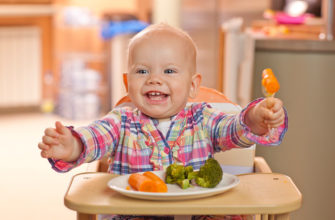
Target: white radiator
20 66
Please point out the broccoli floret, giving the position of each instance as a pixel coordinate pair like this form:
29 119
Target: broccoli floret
180 175
184 183
210 174
192 175
188 169
189 173
174 172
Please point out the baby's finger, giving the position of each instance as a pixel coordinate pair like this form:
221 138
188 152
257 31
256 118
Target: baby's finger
275 122
51 132
48 152
266 114
269 102
278 114
50 140
278 105
61 128
45 154
43 146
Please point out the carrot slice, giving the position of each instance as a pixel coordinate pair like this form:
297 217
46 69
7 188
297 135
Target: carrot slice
161 186
147 182
142 183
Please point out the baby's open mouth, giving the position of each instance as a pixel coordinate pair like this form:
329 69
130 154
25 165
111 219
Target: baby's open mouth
156 95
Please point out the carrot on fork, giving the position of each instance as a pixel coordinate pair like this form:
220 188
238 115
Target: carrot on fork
270 86
269 82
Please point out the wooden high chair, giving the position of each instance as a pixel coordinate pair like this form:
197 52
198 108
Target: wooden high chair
274 196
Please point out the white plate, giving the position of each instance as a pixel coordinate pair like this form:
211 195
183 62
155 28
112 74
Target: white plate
120 183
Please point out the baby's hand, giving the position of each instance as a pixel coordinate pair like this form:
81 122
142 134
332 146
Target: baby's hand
59 143
268 113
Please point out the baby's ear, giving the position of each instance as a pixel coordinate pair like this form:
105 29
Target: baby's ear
196 81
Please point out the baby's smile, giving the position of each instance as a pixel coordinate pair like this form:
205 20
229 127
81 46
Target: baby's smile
156 96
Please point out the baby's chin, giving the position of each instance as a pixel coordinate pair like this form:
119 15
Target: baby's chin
160 111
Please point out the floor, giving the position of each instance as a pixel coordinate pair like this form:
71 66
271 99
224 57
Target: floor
29 188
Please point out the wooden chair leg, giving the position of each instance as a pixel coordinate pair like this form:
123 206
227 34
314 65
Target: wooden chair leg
84 216
264 217
182 217
284 216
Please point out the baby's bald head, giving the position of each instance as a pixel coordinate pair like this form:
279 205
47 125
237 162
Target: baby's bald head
156 31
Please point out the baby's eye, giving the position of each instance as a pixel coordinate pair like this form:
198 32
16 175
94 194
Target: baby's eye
169 71
141 71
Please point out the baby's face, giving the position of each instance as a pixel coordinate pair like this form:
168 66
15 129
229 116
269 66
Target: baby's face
161 75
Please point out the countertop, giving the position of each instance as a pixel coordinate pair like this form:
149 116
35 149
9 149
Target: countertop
305 37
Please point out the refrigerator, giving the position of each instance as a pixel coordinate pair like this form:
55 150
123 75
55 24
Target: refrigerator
307 78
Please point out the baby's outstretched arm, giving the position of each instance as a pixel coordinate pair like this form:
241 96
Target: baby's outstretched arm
58 143
268 113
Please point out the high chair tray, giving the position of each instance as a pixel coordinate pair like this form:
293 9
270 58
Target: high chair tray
120 185
257 193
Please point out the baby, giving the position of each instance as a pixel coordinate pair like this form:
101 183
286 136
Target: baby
163 128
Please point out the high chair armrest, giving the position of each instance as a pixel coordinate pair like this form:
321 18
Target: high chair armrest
93 166
261 166
98 166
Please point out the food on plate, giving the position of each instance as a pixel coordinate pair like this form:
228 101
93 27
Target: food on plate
161 186
147 182
209 175
178 174
269 82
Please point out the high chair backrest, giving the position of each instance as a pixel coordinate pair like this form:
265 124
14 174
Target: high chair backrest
235 161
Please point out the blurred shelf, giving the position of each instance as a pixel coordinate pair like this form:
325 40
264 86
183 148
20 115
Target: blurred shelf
88 57
310 30
26 1
26 10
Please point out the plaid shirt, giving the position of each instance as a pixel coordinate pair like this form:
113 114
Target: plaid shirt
133 143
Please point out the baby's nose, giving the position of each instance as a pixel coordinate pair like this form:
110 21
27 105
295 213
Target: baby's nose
154 79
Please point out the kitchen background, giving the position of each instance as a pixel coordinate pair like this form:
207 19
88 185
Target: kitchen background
64 59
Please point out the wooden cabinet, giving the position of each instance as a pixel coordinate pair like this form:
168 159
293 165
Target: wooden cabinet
44 25
25 1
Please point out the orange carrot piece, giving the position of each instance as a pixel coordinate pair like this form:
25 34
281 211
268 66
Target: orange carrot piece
147 182
161 186
142 183
269 81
